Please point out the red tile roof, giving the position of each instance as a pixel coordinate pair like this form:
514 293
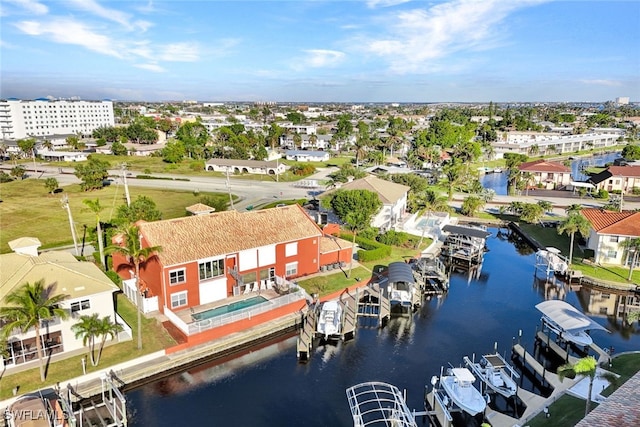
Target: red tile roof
544 166
625 171
625 223
201 236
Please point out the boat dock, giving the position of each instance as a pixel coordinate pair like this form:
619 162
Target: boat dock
528 359
369 302
542 338
431 273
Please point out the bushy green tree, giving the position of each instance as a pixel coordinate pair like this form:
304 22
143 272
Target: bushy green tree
51 184
142 208
92 173
173 152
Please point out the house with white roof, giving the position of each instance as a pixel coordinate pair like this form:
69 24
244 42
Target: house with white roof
88 291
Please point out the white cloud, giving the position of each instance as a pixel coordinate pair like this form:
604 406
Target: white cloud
601 82
31 6
319 58
110 14
416 39
151 67
68 31
179 52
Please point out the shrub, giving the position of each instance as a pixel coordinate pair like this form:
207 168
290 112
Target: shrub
602 194
394 238
302 170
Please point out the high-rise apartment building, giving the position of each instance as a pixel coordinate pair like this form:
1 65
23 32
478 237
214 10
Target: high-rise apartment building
43 117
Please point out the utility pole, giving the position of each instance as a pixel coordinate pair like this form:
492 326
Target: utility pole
229 189
124 180
65 205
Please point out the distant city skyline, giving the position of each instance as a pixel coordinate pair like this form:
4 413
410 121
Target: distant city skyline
322 51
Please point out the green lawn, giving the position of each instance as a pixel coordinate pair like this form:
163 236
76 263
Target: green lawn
329 283
154 338
28 210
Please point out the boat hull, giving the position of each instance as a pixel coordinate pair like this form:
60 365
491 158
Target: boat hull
467 397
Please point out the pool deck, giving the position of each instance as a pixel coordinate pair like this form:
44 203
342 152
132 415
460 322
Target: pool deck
186 315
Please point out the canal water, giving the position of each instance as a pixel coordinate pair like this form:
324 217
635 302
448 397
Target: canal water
267 386
498 181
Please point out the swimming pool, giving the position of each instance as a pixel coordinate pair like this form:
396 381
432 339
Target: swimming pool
234 306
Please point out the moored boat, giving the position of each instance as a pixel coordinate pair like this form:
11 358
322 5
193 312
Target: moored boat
42 409
458 384
329 324
496 373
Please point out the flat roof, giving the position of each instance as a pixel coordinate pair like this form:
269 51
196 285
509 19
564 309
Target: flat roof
567 317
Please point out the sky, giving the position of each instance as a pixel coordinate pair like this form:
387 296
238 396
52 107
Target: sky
354 51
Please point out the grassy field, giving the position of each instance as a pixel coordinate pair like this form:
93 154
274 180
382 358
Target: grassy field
154 338
28 210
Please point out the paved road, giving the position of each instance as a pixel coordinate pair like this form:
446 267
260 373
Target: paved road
255 193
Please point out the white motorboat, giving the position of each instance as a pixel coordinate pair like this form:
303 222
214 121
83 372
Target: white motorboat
496 373
567 322
329 324
402 284
458 384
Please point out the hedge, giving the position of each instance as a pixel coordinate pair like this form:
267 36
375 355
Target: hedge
371 251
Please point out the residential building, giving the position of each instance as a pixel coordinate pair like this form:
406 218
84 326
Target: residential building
209 260
43 117
89 291
546 174
618 178
608 230
63 156
534 143
393 197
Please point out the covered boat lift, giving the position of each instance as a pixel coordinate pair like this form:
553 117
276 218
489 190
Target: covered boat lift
464 244
379 404
401 286
567 321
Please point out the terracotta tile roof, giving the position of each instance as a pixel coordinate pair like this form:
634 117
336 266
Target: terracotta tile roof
388 192
544 166
622 408
625 223
625 171
199 208
333 244
202 236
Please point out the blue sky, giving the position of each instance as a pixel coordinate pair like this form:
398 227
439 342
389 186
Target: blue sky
321 51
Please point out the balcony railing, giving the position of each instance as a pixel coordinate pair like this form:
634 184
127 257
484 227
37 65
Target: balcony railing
296 294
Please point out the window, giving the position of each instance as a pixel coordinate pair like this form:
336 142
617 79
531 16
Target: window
80 305
291 249
614 239
291 269
179 299
177 276
211 269
612 254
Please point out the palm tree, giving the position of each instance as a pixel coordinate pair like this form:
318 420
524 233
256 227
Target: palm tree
429 201
89 328
573 209
572 224
95 207
29 305
453 172
633 247
586 367
136 255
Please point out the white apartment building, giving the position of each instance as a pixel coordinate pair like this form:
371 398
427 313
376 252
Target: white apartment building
43 117
547 143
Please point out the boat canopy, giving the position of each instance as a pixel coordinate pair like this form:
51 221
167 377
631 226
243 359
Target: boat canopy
582 184
378 404
567 317
400 272
463 375
466 231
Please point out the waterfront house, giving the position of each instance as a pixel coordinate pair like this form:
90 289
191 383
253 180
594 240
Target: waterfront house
618 178
214 259
608 230
89 291
393 197
546 174
257 167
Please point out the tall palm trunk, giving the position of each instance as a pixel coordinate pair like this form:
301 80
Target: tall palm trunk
571 250
353 246
101 245
139 304
424 229
588 403
36 326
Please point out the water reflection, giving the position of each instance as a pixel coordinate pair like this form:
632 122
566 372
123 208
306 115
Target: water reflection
272 388
613 305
